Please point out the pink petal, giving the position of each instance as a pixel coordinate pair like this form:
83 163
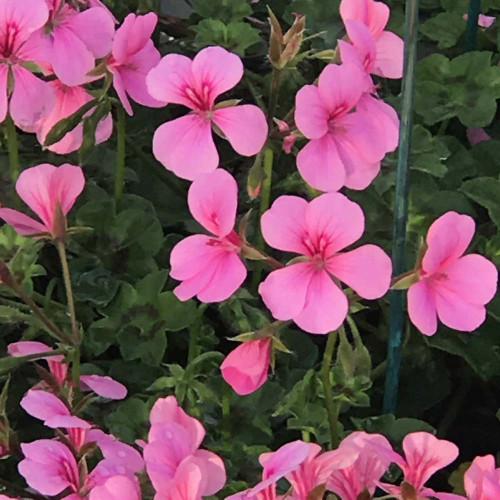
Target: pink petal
66 184
186 147
341 87
422 307
320 165
133 35
311 113
245 127
213 201
334 222
116 488
245 368
350 55
4 72
167 410
26 347
485 21
447 238
189 257
215 71
188 484
425 455
283 225
66 422
326 306
361 38
213 470
103 386
168 81
23 224
95 28
476 135
31 98
43 405
26 16
367 270
477 476
284 291
119 87
389 60
374 15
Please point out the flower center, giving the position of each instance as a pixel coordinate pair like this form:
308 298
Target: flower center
8 41
200 98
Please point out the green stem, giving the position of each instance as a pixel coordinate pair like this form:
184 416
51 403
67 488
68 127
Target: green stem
265 198
471 30
397 312
332 406
273 96
13 147
20 492
120 157
194 333
75 369
69 289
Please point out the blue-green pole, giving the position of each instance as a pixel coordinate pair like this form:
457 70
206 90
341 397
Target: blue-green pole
397 309
472 19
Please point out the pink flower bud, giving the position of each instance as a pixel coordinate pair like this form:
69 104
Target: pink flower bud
245 368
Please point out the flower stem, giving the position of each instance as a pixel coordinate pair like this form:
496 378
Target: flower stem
120 157
69 290
194 333
273 96
13 148
332 407
265 198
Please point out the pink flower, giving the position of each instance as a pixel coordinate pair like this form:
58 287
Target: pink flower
210 266
172 453
483 21
345 147
42 188
49 408
482 479
306 291
103 386
133 56
76 39
69 100
476 135
31 98
185 145
288 140
245 368
116 488
379 52
57 368
49 467
425 455
451 286
372 457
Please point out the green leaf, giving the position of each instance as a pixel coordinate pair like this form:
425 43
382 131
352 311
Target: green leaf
128 422
225 10
484 190
428 153
11 315
90 124
175 314
149 350
445 28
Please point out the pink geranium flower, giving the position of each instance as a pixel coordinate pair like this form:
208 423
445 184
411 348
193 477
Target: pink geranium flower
57 368
424 456
483 21
482 479
451 286
185 145
210 266
378 51
30 98
306 291
116 488
75 39
43 188
245 368
69 100
346 146
133 56
372 457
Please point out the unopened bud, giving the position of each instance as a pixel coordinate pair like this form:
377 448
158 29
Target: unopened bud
345 355
242 227
297 28
405 281
6 277
251 253
255 177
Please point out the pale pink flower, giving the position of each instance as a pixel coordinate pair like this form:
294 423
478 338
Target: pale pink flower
476 135
30 98
482 479
103 386
451 286
133 56
483 21
305 291
69 100
210 266
425 454
380 52
345 147
372 457
49 467
245 368
116 488
57 368
42 188
75 39
185 145
49 408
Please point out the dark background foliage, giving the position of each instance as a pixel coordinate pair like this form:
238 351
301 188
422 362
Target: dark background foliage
138 332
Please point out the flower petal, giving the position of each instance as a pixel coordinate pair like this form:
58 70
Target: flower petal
213 201
244 126
4 72
26 16
367 270
389 59
116 488
133 35
283 225
374 15
103 386
213 470
311 113
23 224
186 147
422 307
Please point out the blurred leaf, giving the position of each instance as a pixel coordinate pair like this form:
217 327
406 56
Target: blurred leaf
225 10
484 190
445 28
